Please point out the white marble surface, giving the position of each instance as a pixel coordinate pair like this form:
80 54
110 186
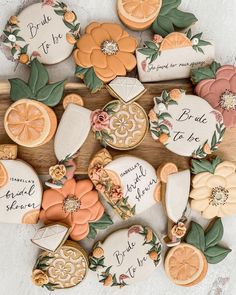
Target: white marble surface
217 20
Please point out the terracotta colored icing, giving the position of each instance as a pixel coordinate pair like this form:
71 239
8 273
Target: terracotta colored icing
75 204
30 123
185 265
175 40
214 194
138 15
221 93
93 50
65 268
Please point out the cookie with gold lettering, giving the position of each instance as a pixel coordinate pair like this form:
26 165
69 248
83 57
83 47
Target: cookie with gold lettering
129 184
126 257
65 268
46 30
186 124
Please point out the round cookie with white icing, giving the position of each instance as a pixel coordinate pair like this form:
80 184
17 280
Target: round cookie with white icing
186 124
20 193
46 30
120 126
126 257
65 268
129 184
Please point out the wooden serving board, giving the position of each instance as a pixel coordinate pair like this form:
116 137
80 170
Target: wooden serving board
155 153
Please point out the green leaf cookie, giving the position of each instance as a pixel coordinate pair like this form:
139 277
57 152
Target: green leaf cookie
38 76
204 73
215 234
216 254
196 237
19 89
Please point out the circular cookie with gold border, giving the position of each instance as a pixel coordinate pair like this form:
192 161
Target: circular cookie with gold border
120 126
65 268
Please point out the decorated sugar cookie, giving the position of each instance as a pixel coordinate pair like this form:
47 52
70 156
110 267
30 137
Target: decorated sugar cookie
47 30
129 184
30 121
104 52
51 237
175 195
216 84
171 18
213 188
186 124
120 126
173 56
65 268
77 205
126 257
126 89
20 189
187 264
138 15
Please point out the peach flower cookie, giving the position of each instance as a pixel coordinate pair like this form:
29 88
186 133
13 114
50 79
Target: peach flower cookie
142 256
77 205
119 125
20 189
47 30
216 84
171 19
214 188
129 184
104 52
177 49
30 121
187 264
186 124
138 15
65 268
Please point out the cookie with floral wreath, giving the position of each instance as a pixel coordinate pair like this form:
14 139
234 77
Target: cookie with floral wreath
104 52
20 188
174 195
126 257
30 121
213 191
47 30
187 264
65 268
186 124
216 84
173 56
129 184
76 204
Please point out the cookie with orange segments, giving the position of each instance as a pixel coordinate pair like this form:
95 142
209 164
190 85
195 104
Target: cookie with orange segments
187 263
30 121
138 15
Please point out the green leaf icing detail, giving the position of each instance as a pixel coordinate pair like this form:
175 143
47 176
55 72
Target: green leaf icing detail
199 166
196 237
215 234
90 78
172 19
37 87
208 72
103 223
208 242
151 50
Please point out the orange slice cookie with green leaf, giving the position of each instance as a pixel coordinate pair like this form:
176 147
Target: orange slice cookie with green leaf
187 264
104 52
30 121
186 124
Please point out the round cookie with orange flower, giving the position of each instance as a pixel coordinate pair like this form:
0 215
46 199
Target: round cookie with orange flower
213 188
186 124
104 52
76 204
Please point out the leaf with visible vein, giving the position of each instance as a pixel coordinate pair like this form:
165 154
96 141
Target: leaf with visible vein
38 76
196 236
19 89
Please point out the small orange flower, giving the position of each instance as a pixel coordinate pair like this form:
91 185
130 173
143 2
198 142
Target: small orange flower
108 49
175 94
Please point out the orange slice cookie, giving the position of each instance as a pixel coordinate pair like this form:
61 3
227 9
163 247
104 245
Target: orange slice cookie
30 123
73 98
185 265
165 170
138 15
3 175
175 40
